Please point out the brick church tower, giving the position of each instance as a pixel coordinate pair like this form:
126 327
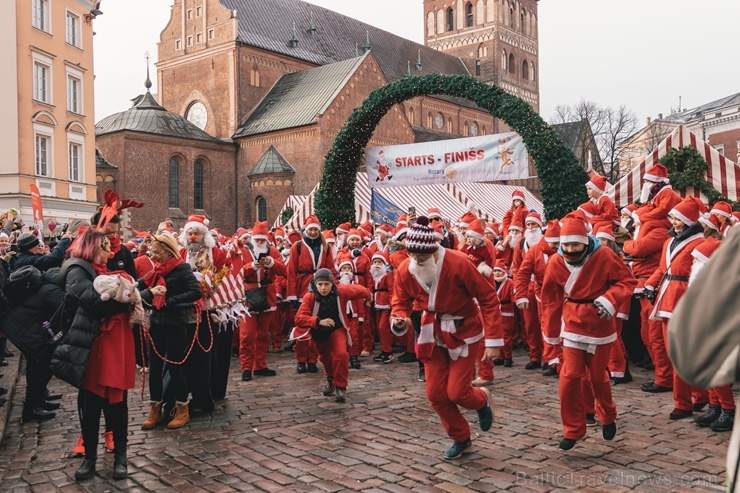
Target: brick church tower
496 39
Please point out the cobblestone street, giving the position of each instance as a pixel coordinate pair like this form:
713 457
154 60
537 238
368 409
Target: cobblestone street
281 434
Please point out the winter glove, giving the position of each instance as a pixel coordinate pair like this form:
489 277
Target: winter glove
356 252
603 312
650 294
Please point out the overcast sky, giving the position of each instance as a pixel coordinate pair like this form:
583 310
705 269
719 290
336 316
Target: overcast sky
643 54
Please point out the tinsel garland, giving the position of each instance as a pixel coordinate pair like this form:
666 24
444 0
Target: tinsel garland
561 176
686 168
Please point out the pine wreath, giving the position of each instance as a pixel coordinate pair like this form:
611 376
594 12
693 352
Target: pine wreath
560 174
686 168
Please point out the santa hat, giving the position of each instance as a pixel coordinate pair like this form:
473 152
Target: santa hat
517 195
722 209
434 213
475 230
711 221
271 238
241 233
439 231
573 230
343 228
630 209
401 229
597 183
500 265
295 236
259 232
466 219
345 260
491 228
688 211
552 233
657 174
311 222
420 238
196 221
329 236
516 223
605 231
130 245
380 254
588 209
402 220
705 249
367 227
385 230
534 217
354 233
735 217
279 234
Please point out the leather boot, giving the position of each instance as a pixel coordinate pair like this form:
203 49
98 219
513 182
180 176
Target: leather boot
86 470
329 389
181 415
155 416
120 465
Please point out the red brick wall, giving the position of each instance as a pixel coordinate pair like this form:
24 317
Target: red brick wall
729 139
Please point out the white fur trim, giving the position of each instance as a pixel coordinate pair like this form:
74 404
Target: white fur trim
698 255
485 269
494 342
721 213
552 239
593 187
574 239
553 341
654 179
521 300
606 304
474 234
607 236
580 338
533 220
684 219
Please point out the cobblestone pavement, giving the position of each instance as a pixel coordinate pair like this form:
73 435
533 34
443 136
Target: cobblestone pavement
281 434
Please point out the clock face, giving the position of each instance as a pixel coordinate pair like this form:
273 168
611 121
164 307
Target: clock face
439 120
474 129
197 115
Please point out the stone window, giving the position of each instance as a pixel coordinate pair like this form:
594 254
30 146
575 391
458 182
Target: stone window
41 15
254 77
531 71
512 64
450 25
174 183
411 116
504 60
469 16
73 29
477 68
261 209
429 120
198 178
450 128
525 70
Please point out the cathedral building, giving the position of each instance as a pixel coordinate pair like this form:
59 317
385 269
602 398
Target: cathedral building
259 90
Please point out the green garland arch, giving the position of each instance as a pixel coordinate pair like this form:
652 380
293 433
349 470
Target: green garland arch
561 176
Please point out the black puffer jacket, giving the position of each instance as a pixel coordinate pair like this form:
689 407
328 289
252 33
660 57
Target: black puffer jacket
70 357
183 289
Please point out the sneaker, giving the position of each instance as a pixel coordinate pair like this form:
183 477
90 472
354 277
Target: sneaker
365 354
329 389
79 450
457 449
247 375
709 417
485 414
387 357
498 362
378 358
609 431
590 419
312 368
725 422
108 438
508 363
265 372
340 395
480 382
407 357
354 362
301 368
533 365
566 444
422 375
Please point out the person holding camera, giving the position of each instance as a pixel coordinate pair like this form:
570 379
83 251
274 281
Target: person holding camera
31 252
262 263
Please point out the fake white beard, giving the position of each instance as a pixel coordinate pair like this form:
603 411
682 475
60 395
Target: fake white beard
340 242
193 249
259 250
378 272
285 253
499 276
425 272
514 240
533 236
345 278
645 191
624 222
696 267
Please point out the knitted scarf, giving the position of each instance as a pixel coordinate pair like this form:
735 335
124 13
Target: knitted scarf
157 279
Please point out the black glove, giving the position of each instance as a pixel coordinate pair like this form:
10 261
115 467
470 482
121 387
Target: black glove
356 252
650 294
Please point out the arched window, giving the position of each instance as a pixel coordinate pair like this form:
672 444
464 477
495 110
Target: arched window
512 66
521 21
440 21
504 60
469 17
430 24
512 19
430 120
483 130
531 71
174 183
411 116
502 13
450 19
449 125
261 209
525 70
466 129
254 76
198 185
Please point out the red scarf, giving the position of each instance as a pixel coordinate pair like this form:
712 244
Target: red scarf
100 269
157 279
115 245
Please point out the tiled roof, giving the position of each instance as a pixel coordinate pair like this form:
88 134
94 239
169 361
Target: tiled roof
271 162
268 24
570 132
422 134
100 161
147 116
296 99
698 113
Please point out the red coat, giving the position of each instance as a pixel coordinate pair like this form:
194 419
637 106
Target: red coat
647 245
606 212
568 294
255 273
531 271
143 265
301 268
396 258
382 291
505 253
307 315
505 293
453 295
675 263
520 211
658 208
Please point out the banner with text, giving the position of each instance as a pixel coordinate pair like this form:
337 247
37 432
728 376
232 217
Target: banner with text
473 159
383 211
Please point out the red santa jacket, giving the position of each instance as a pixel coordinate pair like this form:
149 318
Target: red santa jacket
505 293
143 265
646 249
671 278
659 207
479 254
531 271
606 213
255 274
569 292
505 253
397 257
451 301
382 292
301 267
307 316
509 216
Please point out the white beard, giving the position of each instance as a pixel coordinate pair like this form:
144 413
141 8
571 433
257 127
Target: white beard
345 278
514 240
696 267
533 236
378 272
340 242
193 250
425 273
624 222
259 250
645 192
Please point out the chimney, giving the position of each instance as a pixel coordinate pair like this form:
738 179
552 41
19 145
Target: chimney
647 122
660 116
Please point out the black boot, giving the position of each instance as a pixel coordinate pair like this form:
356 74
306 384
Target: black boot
354 362
329 389
627 378
709 417
120 465
340 397
301 368
725 421
86 470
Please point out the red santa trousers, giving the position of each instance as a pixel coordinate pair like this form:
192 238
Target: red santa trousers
552 354
588 394
367 330
532 329
305 352
355 333
617 362
572 401
382 323
683 392
333 355
485 368
510 333
253 340
276 330
449 386
722 396
653 338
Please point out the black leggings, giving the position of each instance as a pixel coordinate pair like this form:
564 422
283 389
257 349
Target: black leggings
172 342
116 416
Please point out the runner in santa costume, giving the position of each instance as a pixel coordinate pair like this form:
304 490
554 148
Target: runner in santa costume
341 233
360 270
583 286
476 250
322 313
446 285
669 282
262 263
381 307
528 285
723 211
530 314
657 195
396 247
606 211
505 247
518 210
505 292
307 255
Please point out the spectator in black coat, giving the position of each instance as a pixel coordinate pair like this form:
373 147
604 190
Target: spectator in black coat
31 252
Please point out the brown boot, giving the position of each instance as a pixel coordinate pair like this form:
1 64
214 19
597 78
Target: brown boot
155 416
182 415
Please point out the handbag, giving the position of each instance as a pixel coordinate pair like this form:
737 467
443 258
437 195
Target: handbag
257 299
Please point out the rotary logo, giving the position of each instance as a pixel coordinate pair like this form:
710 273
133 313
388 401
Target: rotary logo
451 173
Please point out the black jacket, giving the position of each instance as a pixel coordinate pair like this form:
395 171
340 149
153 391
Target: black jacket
41 262
123 260
70 357
183 289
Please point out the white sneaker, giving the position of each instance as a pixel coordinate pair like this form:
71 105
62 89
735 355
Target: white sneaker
365 354
480 382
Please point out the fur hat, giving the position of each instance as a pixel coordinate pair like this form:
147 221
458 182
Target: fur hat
260 232
467 219
343 228
517 195
722 209
329 236
420 238
705 249
534 217
552 233
516 223
434 213
380 255
169 243
311 222
475 230
605 231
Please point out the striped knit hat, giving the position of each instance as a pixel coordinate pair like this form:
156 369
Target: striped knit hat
420 238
